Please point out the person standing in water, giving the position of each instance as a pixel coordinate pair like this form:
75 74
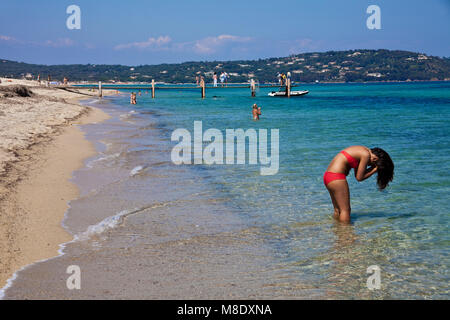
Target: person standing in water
133 99
226 76
365 163
215 79
256 112
222 78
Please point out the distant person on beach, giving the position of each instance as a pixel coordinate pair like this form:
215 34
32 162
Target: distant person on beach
365 163
196 80
256 112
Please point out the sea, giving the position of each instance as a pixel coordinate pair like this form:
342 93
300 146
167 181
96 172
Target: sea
147 228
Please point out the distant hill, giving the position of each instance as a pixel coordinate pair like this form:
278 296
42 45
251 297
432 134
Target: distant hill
331 66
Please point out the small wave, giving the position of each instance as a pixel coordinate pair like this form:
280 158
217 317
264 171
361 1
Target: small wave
136 170
127 115
111 222
91 163
102 226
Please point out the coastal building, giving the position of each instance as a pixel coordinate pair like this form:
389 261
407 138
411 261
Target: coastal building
375 74
354 54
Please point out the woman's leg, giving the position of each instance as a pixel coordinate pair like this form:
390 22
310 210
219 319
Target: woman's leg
340 192
335 206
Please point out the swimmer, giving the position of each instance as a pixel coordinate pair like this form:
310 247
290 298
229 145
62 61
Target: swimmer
133 98
256 112
365 163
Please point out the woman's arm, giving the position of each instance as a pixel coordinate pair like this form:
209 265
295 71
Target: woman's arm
362 172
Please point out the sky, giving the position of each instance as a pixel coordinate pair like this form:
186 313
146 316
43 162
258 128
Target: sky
137 32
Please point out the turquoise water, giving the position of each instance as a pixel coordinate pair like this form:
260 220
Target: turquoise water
145 228
404 229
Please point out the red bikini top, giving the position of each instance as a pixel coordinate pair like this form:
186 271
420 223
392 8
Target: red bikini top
351 161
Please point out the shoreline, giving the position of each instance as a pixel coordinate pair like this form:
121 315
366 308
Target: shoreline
35 188
198 231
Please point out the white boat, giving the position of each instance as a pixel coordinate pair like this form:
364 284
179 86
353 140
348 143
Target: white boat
282 93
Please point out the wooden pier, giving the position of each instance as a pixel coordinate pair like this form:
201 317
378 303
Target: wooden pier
202 87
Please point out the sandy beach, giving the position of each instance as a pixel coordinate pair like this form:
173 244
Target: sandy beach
41 145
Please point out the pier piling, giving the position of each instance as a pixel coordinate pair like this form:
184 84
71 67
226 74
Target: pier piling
153 88
288 87
203 88
100 93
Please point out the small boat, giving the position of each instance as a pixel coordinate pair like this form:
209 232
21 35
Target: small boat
282 93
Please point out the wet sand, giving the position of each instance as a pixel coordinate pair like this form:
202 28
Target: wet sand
41 145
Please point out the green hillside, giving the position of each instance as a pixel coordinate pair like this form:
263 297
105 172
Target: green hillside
331 66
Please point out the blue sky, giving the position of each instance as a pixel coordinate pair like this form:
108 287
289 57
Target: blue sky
138 32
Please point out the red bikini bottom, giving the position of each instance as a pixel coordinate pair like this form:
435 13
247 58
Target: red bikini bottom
331 176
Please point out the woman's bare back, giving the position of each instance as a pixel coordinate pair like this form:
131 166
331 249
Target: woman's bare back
340 164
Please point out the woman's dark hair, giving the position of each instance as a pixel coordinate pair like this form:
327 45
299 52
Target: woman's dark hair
385 167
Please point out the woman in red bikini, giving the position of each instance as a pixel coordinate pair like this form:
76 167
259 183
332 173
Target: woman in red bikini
365 163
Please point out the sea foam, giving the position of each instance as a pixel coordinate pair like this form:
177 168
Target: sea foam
136 170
